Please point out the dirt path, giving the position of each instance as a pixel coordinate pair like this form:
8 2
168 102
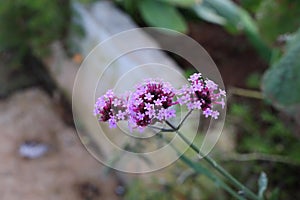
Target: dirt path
65 171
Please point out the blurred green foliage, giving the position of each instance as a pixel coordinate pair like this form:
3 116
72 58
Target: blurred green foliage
281 82
278 22
139 191
31 25
253 80
162 14
263 22
251 5
166 14
183 184
268 24
181 3
158 13
277 17
263 131
236 20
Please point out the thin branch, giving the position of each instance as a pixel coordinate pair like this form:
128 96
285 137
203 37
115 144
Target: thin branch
161 129
175 128
245 93
259 156
183 120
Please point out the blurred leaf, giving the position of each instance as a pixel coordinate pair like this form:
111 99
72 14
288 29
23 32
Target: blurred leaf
163 15
32 25
275 57
262 184
275 194
251 5
130 6
226 9
294 152
293 40
276 17
281 83
86 1
236 16
209 14
238 20
181 3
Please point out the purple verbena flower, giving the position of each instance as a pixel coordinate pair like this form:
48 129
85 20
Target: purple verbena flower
151 102
158 102
110 108
202 94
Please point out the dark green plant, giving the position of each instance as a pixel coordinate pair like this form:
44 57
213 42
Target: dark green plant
166 14
253 80
31 25
281 82
162 14
159 13
251 5
263 131
277 17
235 20
265 142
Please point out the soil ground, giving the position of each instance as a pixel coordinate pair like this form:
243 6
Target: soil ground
66 171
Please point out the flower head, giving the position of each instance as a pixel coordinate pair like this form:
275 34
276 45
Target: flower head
151 102
202 94
110 108
153 99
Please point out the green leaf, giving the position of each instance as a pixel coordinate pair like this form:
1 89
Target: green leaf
209 14
281 82
293 41
262 184
278 17
238 19
163 15
275 194
130 6
226 9
251 5
181 3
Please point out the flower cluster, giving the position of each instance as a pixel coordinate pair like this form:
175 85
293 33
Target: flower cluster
153 101
201 94
111 108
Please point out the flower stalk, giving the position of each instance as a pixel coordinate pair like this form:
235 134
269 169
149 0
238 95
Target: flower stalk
215 165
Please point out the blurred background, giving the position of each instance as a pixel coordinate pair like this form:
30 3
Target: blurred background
254 43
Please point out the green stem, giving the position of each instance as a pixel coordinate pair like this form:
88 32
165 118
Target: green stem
213 178
215 165
200 169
